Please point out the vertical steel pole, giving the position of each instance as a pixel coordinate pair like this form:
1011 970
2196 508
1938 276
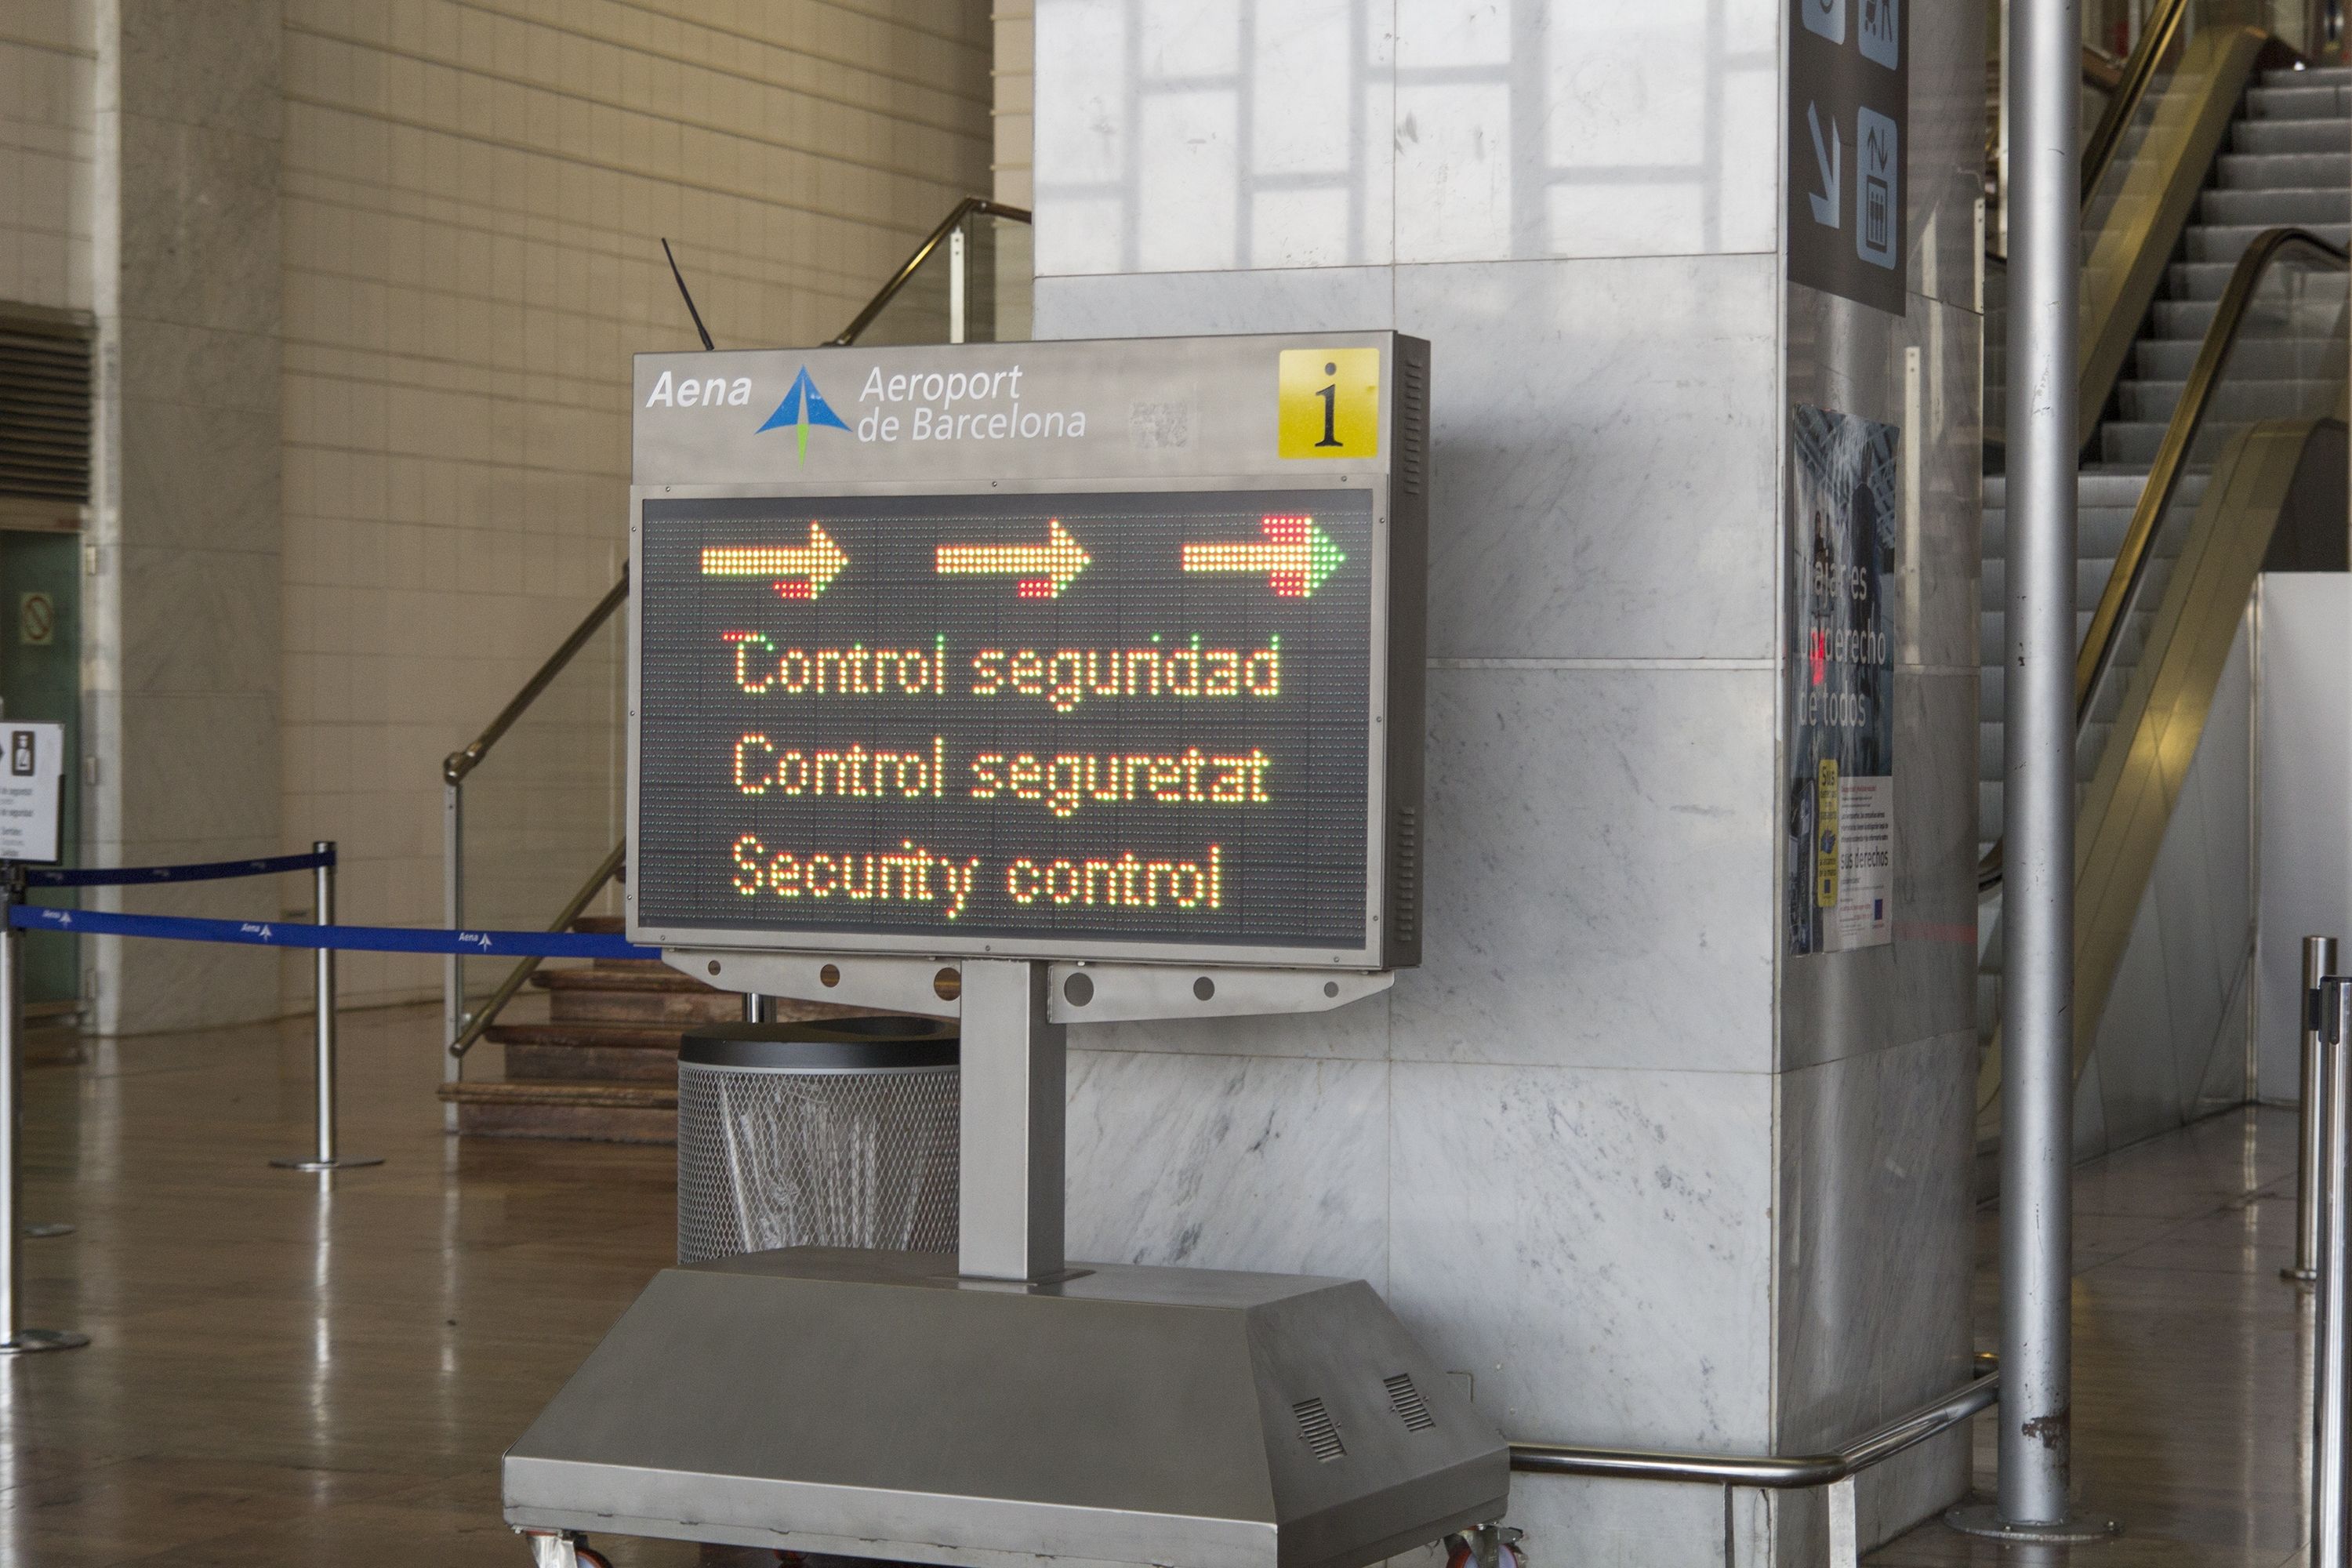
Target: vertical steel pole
2037 1073
2038 889
324 1155
323 884
2334 1313
17 1339
452 910
2319 963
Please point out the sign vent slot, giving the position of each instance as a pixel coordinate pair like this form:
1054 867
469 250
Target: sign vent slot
1412 414
1404 884
1320 1432
1406 1400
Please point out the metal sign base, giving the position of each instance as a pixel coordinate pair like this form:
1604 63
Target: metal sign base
340 1162
871 1404
29 1342
1984 1519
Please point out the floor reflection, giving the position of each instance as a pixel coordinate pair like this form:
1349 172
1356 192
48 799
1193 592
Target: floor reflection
2191 1358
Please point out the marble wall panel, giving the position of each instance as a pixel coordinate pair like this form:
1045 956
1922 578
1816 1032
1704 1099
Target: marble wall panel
1247 133
1594 1246
1605 457
1358 1031
1175 304
1856 360
1554 128
1836 1005
1594 1523
1230 1162
1945 160
1875 1250
1598 862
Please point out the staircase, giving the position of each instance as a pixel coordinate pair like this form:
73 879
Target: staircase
604 1064
2288 160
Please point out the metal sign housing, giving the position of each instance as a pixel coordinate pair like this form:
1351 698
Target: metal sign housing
1071 650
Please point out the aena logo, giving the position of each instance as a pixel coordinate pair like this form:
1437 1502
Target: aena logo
803 406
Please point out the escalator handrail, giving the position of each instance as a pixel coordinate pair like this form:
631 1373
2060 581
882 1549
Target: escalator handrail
2099 642
2156 39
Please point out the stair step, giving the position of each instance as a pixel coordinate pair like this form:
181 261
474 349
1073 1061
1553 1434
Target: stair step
2317 101
2288 136
627 1036
662 979
541 1062
601 1112
2287 171
2307 76
2227 242
2300 205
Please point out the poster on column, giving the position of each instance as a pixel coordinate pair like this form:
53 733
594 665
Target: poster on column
1844 513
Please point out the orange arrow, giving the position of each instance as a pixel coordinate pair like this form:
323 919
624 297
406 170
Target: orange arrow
1061 558
1295 557
801 571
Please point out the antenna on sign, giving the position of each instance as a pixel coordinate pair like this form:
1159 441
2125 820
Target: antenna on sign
682 293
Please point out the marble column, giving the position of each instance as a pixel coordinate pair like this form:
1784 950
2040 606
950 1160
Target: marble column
183 644
1632 1171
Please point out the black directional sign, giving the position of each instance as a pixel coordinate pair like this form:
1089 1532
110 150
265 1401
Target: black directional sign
1849 119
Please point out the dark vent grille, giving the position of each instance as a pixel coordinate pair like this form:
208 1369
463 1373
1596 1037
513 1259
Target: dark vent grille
1404 878
1412 446
1407 1401
45 410
1321 1433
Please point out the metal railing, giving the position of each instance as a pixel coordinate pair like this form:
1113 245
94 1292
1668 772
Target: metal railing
1778 1472
463 1028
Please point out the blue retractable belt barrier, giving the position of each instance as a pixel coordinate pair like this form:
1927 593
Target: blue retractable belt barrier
200 871
369 938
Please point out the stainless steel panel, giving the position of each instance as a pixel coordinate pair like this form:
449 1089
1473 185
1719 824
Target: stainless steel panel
874 1404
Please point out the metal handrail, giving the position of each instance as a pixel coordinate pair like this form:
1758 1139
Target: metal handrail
2100 642
1778 1472
2138 73
968 207
459 764
519 975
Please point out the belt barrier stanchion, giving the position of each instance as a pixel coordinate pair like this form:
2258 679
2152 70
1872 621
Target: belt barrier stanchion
324 1156
19 1341
2319 963
2331 1445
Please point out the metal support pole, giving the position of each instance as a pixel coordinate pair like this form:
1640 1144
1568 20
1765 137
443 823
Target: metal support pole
959 274
1013 1125
17 1341
323 1156
2329 1450
2037 1073
2319 963
453 968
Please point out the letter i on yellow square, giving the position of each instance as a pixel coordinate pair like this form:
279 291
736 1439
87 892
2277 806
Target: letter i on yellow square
1329 403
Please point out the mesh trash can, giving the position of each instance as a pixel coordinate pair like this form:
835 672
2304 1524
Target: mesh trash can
840 1134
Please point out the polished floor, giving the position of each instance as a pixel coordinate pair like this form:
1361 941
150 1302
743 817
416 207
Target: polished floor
2191 1369
292 1370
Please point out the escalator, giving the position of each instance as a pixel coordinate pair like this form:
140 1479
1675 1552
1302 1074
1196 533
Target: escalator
2216 213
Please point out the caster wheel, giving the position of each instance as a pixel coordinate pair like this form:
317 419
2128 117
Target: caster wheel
592 1558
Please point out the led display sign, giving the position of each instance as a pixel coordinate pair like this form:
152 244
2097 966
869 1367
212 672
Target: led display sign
1088 716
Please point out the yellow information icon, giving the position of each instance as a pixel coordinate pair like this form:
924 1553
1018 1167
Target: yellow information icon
1329 403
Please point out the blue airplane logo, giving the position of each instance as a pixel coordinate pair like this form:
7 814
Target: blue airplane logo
803 406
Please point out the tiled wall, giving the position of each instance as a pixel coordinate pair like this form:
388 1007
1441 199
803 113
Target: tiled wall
47 63
473 195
